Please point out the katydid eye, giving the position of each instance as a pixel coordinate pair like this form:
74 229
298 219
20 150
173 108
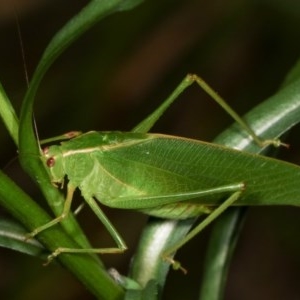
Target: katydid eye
50 162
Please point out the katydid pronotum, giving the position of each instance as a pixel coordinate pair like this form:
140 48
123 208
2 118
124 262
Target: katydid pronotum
164 176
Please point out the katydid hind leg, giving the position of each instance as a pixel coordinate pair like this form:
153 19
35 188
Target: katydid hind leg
151 119
217 98
168 253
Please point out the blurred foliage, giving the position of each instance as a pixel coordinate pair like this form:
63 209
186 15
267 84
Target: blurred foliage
117 73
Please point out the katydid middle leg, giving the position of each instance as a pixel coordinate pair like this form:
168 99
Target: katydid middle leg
63 215
121 246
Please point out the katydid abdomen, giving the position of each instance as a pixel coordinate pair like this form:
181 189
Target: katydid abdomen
164 175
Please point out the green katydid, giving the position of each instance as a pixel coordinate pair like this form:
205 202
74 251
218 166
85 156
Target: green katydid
165 176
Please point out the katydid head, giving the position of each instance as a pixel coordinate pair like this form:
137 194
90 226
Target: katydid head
54 163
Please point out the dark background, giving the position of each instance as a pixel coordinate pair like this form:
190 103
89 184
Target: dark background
119 72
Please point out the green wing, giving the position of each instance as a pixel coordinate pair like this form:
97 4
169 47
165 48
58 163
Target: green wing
162 165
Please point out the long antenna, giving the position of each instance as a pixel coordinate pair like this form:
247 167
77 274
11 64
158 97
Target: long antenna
24 62
22 48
